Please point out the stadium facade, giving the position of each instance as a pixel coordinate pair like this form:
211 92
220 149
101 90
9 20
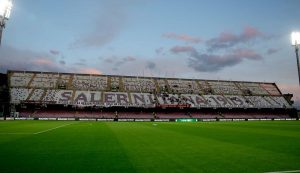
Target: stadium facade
67 95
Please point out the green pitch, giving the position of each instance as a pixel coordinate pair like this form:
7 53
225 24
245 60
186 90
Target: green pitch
72 146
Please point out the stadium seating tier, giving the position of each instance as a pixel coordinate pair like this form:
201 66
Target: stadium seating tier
130 91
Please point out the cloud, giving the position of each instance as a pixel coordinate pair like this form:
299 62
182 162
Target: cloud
272 51
43 61
150 65
116 61
80 64
107 26
119 63
54 52
250 33
211 63
246 54
159 50
124 60
129 59
17 59
182 37
182 49
235 53
146 66
62 62
25 60
109 60
82 60
203 62
89 70
228 40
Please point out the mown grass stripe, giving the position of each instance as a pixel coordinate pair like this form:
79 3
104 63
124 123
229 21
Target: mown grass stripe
16 133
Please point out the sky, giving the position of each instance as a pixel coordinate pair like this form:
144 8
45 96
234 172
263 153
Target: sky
199 39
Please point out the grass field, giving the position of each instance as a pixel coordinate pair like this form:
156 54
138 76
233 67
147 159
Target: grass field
72 146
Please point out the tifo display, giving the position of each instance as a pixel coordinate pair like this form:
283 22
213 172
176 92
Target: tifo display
142 97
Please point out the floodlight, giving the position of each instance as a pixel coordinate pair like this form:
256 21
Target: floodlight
5 9
296 42
295 38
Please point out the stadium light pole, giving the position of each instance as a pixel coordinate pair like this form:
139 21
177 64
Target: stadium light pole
5 9
295 37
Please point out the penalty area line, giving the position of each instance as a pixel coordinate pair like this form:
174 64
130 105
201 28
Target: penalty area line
291 171
52 128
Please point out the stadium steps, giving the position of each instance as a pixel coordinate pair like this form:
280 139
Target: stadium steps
30 94
264 97
201 89
32 78
58 82
140 87
156 86
272 98
277 89
121 85
227 99
264 88
235 84
73 95
43 95
129 98
247 100
108 83
114 84
208 86
168 86
70 83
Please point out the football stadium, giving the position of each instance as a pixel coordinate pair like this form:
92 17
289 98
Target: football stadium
64 122
139 86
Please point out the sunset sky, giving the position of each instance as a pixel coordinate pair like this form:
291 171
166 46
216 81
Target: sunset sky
206 39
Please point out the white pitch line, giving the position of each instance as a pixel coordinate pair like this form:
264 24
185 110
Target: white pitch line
52 129
284 171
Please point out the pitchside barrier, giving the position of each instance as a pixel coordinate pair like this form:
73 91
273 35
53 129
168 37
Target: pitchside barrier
148 120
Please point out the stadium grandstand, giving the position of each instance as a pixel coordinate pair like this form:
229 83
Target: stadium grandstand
48 95
4 95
